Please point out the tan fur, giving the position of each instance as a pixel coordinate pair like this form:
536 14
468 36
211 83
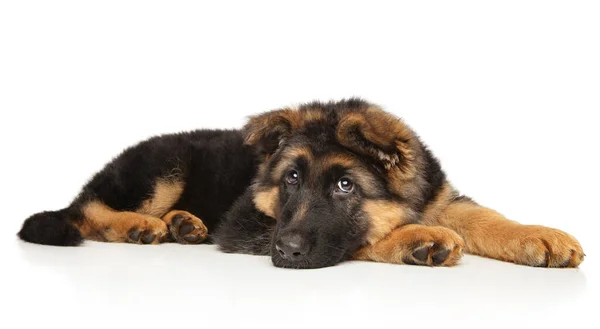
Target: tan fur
103 223
339 159
311 115
266 201
288 158
364 179
300 212
199 232
398 246
384 217
385 132
377 126
488 233
404 180
281 121
435 208
298 152
368 131
394 144
407 188
355 168
166 194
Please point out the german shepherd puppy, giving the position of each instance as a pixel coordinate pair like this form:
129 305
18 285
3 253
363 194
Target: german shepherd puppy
310 186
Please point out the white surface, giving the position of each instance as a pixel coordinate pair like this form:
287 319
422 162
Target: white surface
505 93
105 285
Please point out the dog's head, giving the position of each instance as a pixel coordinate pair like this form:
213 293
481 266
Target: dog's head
335 176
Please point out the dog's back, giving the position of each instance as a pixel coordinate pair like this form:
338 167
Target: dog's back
200 172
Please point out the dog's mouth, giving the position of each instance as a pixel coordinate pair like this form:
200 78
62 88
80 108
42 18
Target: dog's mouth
307 263
313 259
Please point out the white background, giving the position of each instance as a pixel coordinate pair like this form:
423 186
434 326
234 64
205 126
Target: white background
506 93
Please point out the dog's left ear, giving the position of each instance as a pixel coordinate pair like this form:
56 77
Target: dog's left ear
379 135
268 130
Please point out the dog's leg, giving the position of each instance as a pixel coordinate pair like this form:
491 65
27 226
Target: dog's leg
184 227
102 223
151 223
488 233
245 229
416 245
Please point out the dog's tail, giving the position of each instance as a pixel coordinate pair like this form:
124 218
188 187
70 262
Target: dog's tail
52 228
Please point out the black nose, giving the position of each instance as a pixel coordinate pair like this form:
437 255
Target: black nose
292 247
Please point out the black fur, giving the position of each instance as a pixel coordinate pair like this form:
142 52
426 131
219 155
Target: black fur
245 229
334 225
434 176
224 169
215 165
51 228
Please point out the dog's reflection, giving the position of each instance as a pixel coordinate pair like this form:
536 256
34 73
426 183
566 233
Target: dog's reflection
150 274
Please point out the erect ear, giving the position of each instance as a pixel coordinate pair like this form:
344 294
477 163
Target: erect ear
379 135
268 130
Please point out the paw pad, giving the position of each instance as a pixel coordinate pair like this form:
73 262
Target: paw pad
139 236
187 229
429 253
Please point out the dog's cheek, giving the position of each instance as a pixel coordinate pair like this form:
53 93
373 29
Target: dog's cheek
355 230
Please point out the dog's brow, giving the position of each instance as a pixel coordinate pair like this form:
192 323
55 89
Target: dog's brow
297 152
339 160
289 156
354 167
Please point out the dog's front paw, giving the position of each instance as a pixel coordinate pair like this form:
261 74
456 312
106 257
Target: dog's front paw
185 228
416 245
146 231
433 246
547 247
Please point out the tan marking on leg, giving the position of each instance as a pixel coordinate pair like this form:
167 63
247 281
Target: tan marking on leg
488 233
166 194
385 216
266 201
417 245
102 223
184 227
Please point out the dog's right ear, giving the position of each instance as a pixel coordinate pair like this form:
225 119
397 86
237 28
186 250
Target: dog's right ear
268 130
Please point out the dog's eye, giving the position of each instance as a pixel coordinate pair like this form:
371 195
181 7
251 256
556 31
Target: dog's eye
292 177
345 185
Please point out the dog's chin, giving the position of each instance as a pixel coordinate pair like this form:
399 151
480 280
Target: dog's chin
278 261
307 263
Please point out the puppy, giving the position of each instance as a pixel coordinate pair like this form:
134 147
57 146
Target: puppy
310 186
